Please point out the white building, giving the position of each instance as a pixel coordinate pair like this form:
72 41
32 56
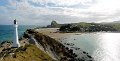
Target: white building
16 41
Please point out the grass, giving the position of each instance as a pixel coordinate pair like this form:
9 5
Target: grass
29 53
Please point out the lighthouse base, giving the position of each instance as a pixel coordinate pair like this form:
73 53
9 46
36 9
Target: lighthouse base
16 45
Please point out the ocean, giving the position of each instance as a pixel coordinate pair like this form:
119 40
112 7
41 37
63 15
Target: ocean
6 31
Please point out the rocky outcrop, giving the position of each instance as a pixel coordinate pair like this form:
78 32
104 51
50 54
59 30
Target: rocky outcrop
54 24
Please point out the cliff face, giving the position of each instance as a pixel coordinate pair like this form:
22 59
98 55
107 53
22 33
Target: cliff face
53 48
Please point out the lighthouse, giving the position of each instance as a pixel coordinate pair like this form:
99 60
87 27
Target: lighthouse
16 41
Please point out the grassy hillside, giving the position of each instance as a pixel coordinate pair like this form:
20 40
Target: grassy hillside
28 53
116 26
86 27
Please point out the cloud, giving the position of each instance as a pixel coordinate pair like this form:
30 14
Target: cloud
63 2
64 11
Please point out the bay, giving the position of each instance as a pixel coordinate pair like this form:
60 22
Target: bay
101 46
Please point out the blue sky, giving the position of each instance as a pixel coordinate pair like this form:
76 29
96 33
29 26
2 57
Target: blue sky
42 12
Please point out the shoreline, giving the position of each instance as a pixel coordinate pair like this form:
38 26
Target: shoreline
54 33
59 44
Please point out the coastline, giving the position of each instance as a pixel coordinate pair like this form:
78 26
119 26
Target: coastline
48 38
62 38
55 36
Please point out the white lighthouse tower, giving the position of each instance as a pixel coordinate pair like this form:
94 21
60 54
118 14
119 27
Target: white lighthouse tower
16 41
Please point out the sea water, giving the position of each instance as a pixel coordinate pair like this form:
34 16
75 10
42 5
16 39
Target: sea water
7 31
101 46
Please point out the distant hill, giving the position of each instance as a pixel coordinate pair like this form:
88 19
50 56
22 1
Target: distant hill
116 22
86 27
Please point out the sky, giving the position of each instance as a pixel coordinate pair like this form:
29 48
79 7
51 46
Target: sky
42 12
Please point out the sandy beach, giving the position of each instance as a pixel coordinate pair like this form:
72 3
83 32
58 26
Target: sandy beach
54 33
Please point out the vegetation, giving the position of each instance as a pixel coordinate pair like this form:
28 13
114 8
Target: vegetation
27 53
2 43
115 25
86 27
